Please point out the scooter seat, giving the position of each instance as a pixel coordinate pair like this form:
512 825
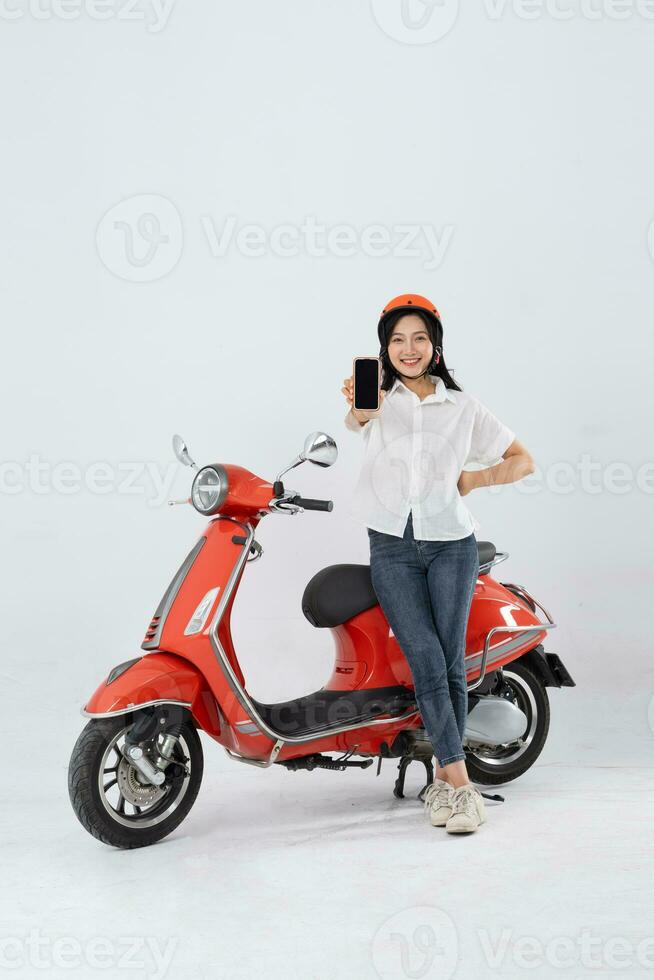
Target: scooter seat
486 551
339 592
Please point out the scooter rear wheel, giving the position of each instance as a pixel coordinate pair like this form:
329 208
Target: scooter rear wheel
501 764
110 798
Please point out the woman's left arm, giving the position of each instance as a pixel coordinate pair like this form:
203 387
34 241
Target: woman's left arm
515 465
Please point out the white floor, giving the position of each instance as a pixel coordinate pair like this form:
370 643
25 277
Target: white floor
321 875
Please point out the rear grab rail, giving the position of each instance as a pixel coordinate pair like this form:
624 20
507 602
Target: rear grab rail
550 624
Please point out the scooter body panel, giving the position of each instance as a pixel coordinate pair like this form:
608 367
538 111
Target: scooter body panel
493 605
214 576
157 678
368 654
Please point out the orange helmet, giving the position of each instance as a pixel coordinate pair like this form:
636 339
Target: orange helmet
407 302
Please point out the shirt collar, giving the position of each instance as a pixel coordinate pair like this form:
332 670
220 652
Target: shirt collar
441 393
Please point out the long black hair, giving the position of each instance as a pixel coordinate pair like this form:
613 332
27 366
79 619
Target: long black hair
434 329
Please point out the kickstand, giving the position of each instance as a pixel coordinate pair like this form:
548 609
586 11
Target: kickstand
405 762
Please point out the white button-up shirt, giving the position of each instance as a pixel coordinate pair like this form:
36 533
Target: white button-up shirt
414 454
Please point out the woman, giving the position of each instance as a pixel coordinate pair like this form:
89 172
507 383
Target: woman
423 550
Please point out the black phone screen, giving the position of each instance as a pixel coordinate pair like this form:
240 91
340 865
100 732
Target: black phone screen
366 384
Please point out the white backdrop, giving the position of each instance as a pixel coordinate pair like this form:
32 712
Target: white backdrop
205 207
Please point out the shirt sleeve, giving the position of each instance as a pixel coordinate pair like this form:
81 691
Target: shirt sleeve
351 423
490 437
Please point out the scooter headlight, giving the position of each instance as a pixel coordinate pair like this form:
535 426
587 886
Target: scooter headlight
209 489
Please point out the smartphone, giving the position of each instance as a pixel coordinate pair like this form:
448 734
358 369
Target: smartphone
367 382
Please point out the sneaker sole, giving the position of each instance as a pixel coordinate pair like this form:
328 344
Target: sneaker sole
440 822
465 830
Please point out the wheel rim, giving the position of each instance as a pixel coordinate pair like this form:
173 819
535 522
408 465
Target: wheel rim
510 751
128 800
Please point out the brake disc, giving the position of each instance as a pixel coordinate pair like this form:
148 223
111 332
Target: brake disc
135 792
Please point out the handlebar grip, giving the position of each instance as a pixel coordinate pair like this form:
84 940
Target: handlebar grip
309 504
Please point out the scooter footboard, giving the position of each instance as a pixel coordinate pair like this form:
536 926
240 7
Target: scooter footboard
156 678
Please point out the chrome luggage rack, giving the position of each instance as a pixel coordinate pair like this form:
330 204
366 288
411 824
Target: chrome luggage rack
522 592
499 556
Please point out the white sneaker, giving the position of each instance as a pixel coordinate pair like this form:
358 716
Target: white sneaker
468 810
437 802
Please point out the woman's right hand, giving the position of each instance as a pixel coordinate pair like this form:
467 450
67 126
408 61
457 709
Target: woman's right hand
362 416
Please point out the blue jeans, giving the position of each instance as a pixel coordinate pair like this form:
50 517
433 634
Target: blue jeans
425 590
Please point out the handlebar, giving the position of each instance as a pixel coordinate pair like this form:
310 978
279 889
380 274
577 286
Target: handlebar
308 504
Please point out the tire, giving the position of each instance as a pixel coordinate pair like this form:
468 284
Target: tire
497 766
155 819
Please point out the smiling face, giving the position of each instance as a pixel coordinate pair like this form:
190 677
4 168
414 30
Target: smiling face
409 346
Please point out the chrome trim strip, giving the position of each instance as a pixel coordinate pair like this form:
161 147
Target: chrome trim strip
132 707
247 727
319 733
170 595
504 629
505 646
261 763
385 720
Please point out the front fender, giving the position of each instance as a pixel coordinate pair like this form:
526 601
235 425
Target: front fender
156 678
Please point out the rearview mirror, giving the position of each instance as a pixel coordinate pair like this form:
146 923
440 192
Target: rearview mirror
320 448
181 452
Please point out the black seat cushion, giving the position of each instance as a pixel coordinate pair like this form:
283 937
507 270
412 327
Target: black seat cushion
339 592
487 551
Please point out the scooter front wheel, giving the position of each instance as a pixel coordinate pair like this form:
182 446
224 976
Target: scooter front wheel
111 798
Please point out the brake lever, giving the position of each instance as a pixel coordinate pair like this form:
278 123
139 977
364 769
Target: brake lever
282 505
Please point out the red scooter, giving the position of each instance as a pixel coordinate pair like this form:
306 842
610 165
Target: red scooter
136 768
